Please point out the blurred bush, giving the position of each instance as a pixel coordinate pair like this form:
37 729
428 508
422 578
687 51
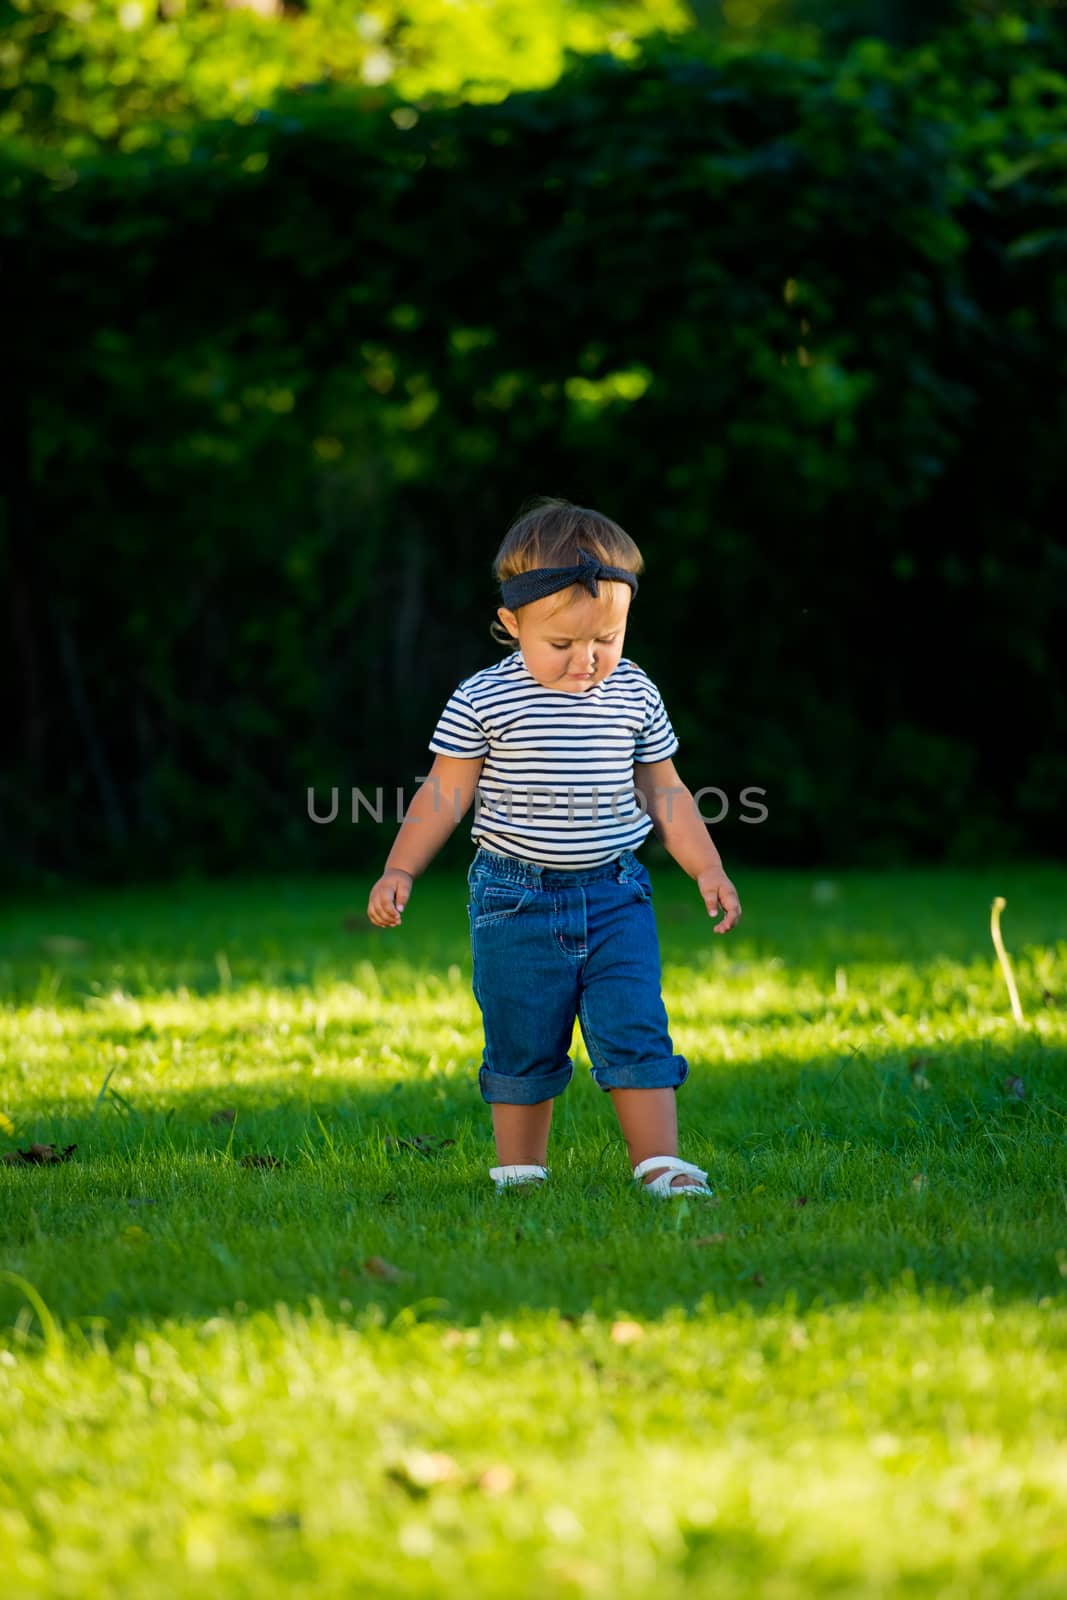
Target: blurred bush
277 383
78 75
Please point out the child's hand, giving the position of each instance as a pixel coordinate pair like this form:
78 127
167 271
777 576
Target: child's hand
719 895
389 897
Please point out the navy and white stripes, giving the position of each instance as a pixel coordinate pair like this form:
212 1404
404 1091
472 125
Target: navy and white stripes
556 785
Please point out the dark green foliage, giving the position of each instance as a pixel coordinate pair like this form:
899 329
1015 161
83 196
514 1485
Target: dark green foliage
798 324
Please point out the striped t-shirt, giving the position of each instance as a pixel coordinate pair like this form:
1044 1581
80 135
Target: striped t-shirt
556 787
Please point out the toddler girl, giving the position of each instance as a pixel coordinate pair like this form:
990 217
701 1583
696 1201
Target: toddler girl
549 744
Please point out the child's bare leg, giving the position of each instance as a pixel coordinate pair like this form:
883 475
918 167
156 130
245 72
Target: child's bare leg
649 1122
522 1133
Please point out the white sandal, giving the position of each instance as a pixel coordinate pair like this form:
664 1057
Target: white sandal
664 1185
506 1177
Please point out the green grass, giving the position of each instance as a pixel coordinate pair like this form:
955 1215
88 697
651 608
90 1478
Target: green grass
844 1376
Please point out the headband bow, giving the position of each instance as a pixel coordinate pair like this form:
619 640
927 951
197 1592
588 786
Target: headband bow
539 581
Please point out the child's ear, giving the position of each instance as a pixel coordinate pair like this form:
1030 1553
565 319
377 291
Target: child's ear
509 620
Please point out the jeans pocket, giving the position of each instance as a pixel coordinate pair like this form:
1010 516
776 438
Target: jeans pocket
496 902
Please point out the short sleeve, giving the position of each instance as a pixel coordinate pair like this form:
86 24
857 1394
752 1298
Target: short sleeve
656 740
458 731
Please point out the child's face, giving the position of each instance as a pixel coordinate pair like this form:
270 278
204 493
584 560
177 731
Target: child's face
572 645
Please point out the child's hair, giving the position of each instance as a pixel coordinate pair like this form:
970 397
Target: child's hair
547 533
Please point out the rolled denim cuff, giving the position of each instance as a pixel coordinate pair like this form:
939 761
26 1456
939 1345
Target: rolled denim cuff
670 1072
527 1090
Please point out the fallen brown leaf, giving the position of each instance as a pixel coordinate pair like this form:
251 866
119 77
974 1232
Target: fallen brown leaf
422 1142
759 1280
39 1155
710 1238
227 1114
261 1161
379 1268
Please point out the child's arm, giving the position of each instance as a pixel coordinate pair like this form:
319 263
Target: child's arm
677 821
440 804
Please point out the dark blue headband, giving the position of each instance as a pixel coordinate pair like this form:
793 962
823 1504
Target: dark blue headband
539 581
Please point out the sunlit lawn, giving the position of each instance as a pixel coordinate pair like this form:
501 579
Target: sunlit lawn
362 1372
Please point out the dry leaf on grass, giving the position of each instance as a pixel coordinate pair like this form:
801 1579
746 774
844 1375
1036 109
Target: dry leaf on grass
710 1238
261 1161
918 1076
422 1142
379 1268
225 1114
39 1155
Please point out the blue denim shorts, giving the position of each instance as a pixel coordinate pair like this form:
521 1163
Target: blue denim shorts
552 944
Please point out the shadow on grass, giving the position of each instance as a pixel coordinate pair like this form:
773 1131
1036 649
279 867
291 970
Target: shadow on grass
209 939
832 1186
835 1178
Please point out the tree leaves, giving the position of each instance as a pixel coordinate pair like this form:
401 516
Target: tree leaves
835 318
